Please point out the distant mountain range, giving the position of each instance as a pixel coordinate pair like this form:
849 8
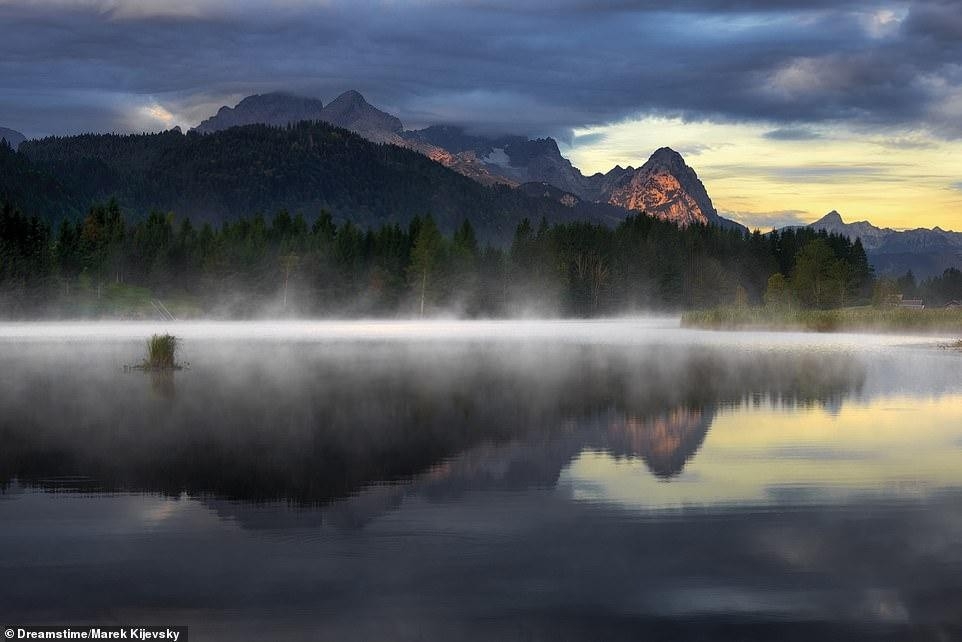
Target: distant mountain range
246 170
664 186
14 138
349 110
892 252
58 174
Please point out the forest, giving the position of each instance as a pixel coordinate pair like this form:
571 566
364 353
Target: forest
107 264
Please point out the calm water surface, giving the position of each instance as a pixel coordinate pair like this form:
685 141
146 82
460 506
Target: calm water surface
613 480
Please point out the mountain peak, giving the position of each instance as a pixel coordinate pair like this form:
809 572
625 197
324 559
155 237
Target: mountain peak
832 218
666 187
350 98
351 111
277 109
668 157
872 237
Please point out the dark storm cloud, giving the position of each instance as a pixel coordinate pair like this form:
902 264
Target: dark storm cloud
936 21
534 67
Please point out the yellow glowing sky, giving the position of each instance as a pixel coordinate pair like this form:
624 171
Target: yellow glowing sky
900 180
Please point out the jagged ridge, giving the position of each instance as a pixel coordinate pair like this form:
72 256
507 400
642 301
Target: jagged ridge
665 186
926 252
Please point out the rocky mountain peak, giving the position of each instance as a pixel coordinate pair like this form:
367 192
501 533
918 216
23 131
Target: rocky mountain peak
351 111
348 103
668 158
871 236
832 218
666 187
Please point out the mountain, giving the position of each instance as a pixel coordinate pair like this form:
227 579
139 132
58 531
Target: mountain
665 186
12 136
893 253
540 160
276 109
872 237
464 153
351 111
241 171
512 159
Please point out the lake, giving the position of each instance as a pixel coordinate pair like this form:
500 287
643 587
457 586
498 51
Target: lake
444 480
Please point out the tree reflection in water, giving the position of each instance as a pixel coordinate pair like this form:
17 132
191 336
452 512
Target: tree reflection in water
314 423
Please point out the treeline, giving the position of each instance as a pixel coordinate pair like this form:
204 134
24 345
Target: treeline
106 264
937 291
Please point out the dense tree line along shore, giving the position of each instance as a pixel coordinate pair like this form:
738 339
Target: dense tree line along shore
106 264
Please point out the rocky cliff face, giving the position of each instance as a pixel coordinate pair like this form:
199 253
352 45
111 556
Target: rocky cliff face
665 187
465 161
13 137
512 160
540 161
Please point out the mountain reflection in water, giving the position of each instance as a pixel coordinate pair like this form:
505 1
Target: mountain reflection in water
315 423
681 485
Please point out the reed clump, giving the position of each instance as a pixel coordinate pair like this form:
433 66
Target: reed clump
161 353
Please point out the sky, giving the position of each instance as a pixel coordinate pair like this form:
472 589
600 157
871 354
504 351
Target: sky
786 109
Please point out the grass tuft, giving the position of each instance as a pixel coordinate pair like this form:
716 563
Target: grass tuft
161 350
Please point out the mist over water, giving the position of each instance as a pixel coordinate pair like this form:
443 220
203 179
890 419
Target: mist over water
616 479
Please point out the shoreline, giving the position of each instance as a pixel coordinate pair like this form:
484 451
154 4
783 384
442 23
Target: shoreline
860 320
